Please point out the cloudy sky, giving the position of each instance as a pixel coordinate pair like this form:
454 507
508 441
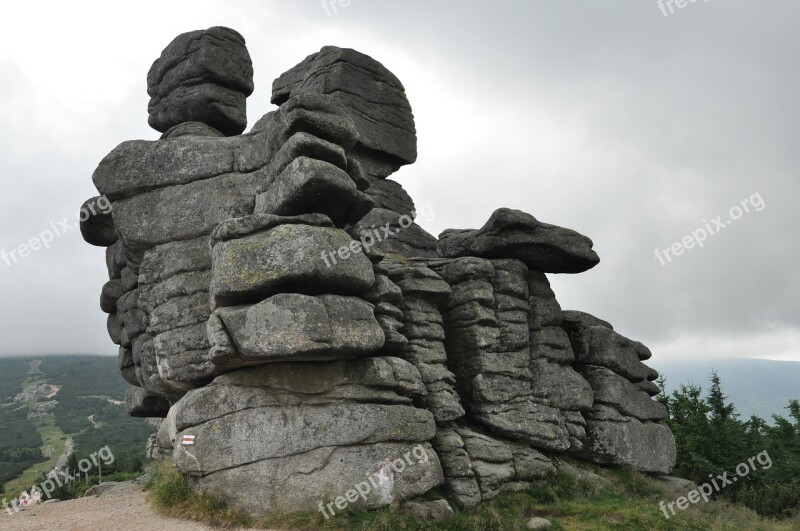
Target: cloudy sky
632 127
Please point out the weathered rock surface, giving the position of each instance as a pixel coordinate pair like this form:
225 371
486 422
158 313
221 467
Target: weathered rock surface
422 327
299 482
342 419
614 390
138 166
510 370
609 349
183 212
290 326
644 446
621 426
191 129
309 185
389 195
286 257
577 326
296 430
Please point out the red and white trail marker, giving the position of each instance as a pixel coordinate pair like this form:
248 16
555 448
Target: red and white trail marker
188 440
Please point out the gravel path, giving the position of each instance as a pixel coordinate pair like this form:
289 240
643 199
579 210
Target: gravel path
123 509
69 445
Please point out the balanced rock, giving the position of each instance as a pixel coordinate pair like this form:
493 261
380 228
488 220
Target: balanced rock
514 234
202 76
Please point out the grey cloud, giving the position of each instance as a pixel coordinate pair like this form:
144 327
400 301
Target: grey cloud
604 117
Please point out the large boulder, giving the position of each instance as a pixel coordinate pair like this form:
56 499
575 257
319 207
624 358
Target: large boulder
258 434
288 430
278 253
137 166
202 76
645 446
367 90
309 185
308 345
333 477
515 234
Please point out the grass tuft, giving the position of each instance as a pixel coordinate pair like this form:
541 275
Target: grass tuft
170 493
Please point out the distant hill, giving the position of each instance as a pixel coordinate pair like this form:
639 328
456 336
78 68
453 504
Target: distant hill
52 406
756 387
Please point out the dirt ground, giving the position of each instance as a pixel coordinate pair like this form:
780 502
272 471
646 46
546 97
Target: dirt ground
123 509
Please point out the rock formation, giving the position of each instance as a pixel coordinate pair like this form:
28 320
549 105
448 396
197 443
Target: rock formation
276 305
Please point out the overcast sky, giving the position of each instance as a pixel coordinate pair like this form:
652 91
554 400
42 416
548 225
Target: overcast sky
606 117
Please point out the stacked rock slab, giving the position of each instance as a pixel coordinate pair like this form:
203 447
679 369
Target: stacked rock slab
422 327
167 197
503 329
622 426
488 342
275 303
375 100
330 403
476 466
554 381
517 387
287 436
202 76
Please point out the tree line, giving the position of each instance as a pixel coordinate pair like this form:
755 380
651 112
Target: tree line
712 438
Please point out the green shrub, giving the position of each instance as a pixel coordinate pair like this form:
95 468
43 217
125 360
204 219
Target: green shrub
774 501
